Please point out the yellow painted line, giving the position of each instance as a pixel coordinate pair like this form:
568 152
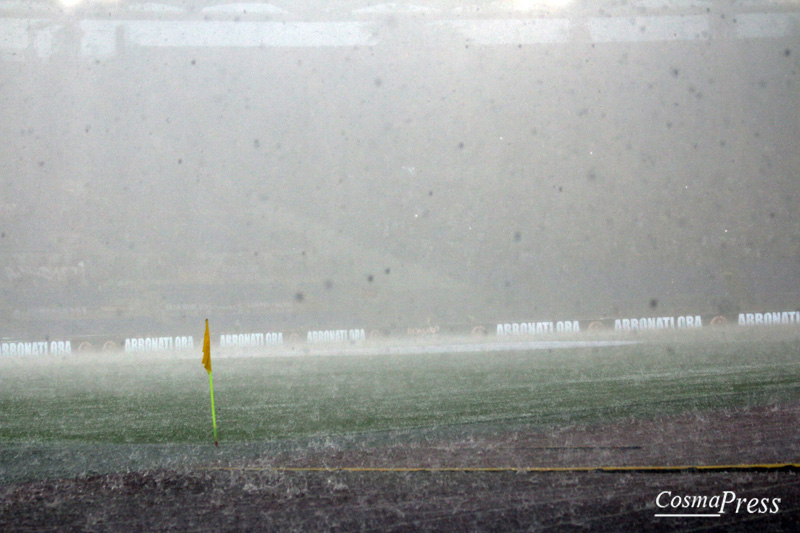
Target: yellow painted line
531 469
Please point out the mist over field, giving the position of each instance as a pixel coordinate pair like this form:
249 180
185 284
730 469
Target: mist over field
461 266
414 173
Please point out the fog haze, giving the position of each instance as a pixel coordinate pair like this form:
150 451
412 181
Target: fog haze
426 176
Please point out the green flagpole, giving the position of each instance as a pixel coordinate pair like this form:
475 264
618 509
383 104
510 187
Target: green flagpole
207 366
213 414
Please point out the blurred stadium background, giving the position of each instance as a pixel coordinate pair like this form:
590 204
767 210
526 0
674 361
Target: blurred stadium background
392 164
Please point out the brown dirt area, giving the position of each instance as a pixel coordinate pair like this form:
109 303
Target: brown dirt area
253 495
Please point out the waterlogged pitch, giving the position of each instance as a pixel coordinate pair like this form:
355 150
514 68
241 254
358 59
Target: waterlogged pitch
126 398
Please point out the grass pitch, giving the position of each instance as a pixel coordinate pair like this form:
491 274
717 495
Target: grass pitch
134 399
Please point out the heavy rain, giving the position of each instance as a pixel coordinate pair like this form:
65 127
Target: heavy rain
445 249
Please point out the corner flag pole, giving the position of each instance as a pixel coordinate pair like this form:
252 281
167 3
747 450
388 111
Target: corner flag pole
207 365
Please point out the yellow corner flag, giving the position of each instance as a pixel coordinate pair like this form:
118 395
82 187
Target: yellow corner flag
207 350
207 365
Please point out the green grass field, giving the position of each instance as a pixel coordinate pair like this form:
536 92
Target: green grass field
130 399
